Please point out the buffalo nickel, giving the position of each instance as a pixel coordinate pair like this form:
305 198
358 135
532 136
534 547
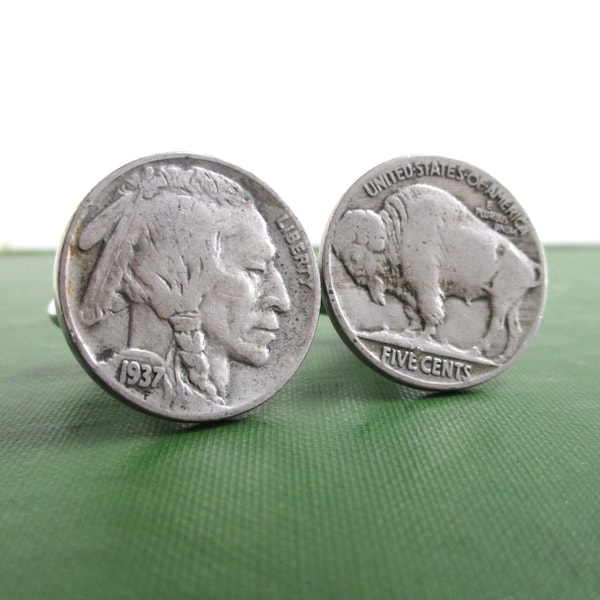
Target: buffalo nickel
432 273
187 288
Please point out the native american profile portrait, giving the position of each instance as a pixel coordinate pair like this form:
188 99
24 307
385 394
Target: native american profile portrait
186 252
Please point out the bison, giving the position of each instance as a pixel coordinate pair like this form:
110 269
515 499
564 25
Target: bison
425 245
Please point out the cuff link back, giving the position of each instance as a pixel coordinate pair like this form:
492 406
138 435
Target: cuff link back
187 288
432 273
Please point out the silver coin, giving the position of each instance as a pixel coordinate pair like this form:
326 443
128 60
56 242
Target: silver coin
187 288
432 273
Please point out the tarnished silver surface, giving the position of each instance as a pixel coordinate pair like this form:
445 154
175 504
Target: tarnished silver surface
432 273
186 287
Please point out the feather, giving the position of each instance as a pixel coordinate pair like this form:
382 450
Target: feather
103 224
110 267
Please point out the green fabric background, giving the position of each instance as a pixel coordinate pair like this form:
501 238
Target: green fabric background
344 485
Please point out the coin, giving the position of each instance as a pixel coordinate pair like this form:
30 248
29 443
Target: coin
432 273
187 288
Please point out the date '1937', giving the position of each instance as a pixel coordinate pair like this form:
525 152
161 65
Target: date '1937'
134 373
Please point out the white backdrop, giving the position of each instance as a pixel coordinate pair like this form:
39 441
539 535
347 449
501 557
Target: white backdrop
307 96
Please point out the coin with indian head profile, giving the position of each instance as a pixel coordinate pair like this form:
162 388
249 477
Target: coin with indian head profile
187 288
432 273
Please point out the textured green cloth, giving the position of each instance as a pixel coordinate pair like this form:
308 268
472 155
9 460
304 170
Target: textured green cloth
344 485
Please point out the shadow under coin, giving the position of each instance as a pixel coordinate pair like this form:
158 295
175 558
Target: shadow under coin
86 414
340 373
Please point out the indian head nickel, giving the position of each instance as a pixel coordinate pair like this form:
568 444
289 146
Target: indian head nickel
187 288
432 273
